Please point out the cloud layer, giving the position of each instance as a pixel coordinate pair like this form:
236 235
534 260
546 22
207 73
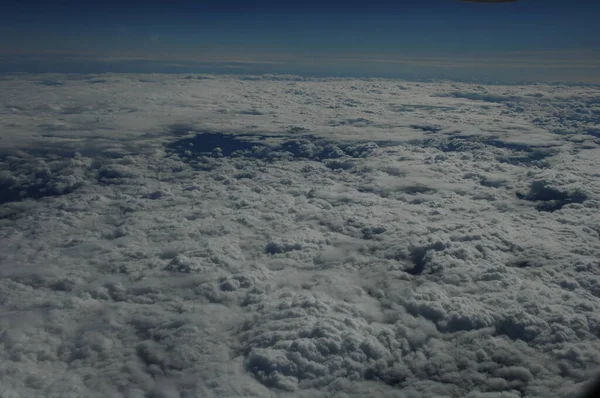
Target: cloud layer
165 236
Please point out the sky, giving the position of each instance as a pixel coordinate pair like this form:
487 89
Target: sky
526 40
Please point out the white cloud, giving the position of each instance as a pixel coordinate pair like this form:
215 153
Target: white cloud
344 237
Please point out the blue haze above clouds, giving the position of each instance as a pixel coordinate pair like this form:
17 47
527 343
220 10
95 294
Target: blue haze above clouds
523 41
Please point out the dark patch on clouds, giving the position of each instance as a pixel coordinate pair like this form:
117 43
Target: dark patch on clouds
428 128
335 154
250 78
282 247
520 327
297 129
549 198
521 264
56 168
422 257
50 83
26 177
115 174
483 96
594 132
71 110
518 153
254 112
412 108
570 116
210 144
15 192
358 122
372 232
272 77
416 189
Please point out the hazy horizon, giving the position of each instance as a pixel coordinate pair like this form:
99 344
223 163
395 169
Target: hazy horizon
525 41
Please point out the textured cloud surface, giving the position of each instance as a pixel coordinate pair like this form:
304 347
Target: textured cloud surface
175 236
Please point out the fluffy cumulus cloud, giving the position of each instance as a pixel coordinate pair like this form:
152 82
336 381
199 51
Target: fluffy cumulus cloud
213 236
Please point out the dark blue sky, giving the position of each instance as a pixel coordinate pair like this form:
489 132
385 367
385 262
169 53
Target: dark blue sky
526 40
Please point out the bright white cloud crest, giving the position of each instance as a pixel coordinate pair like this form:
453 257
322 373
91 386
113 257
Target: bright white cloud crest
166 236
